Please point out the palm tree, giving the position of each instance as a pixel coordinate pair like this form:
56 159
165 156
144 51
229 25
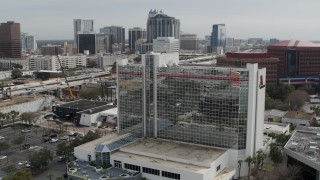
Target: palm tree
249 161
239 167
12 115
260 158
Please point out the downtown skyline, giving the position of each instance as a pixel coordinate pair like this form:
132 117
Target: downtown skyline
53 20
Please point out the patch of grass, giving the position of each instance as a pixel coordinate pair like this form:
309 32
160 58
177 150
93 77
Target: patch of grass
268 167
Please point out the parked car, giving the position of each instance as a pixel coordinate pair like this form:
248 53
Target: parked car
53 135
61 159
53 140
22 163
25 130
1 137
64 138
25 146
3 157
73 134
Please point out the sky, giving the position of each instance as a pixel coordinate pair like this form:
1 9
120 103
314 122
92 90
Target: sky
282 19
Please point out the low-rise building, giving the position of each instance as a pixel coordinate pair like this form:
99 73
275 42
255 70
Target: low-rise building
302 150
51 63
274 115
298 118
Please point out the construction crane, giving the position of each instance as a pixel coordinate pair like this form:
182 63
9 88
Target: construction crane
71 96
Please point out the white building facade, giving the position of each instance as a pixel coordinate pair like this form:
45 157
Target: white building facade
51 62
166 45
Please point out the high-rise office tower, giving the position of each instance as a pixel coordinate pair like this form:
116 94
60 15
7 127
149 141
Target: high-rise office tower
10 44
135 34
189 42
117 35
214 106
30 43
162 25
218 36
81 26
94 43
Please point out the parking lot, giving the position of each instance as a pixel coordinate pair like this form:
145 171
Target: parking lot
34 138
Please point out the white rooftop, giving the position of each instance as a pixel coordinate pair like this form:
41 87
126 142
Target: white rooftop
166 153
275 112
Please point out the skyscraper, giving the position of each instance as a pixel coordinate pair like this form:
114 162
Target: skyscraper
117 35
81 26
218 36
10 44
94 43
135 34
28 42
162 25
214 106
189 42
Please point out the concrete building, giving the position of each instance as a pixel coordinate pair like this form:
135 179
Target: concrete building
51 63
297 118
274 115
51 50
194 106
302 150
189 42
135 34
298 59
81 26
67 49
10 44
264 60
166 45
117 35
229 42
255 41
9 64
162 25
274 41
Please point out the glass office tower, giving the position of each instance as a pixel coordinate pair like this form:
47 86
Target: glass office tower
218 35
194 104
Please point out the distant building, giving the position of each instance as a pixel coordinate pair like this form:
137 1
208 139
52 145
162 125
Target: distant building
9 64
264 60
298 59
274 115
229 42
166 45
10 43
135 34
51 63
117 34
218 36
255 41
81 26
274 41
51 50
297 118
94 43
68 49
189 42
276 128
162 25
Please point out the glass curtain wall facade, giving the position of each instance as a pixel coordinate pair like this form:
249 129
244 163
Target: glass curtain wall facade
199 105
218 35
203 106
130 99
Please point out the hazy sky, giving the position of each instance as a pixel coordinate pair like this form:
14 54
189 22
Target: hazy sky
283 19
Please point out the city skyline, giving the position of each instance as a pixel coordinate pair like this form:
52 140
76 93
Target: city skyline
243 19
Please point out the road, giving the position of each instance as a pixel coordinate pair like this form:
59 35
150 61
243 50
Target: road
53 83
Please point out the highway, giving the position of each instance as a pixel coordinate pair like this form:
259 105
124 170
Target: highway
53 83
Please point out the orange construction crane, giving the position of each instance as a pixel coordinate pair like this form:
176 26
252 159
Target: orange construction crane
71 96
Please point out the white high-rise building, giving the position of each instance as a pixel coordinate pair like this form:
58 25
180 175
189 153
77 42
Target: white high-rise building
166 45
82 26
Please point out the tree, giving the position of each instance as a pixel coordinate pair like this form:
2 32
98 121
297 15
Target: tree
21 174
249 161
281 91
63 149
18 66
282 139
275 154
16 73
260 158
308 88
297 99
280 173
41 159
19 140
316 109
4 146
12 115
29 117
239 167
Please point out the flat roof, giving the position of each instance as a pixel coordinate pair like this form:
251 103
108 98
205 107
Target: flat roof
295 43
173 154
275 112
302 146
98 109
82 104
